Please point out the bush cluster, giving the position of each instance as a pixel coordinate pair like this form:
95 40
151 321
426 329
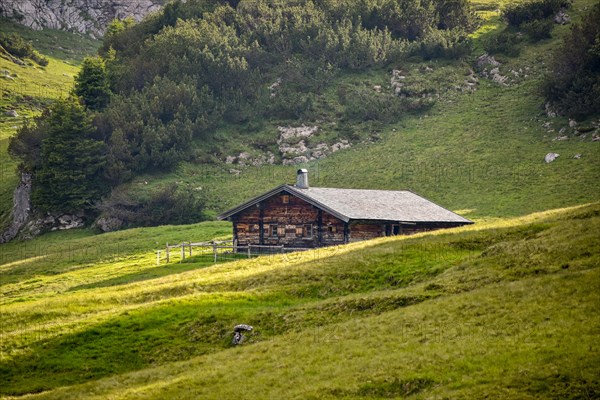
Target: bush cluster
173 78
519 13
168 206
18 47
573 85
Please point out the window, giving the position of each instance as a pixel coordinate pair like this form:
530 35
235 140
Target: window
299 231
307 231
332 229
281 231
273 230
285 199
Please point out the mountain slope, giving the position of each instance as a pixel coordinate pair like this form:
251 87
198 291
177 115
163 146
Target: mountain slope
503 309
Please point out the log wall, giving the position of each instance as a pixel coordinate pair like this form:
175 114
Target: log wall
284 219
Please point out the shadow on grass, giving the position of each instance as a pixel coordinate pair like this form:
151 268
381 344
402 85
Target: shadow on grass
130 341
190 264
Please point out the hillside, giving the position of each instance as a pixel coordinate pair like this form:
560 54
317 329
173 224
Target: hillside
498 310
474 144
30 88
504 308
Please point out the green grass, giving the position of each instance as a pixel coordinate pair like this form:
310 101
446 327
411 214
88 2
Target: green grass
500 309
482 151
33 88
505 308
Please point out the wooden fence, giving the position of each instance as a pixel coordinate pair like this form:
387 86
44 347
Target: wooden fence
218 250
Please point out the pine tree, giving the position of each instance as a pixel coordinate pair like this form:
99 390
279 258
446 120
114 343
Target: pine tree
92 84
69 177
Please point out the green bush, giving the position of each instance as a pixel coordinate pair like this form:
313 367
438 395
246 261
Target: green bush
518 13
538 29
169 205
573 85
505 42
453 44
364 104
18 47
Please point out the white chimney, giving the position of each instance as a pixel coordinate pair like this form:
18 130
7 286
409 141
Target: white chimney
302 179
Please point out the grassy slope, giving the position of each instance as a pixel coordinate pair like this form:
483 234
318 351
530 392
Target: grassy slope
502 309
482 152
507 308
33 88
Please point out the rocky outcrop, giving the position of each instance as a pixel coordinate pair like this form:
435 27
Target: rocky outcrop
21 208
83 16
27 224
51 222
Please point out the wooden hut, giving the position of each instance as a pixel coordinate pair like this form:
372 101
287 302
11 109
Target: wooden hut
303 216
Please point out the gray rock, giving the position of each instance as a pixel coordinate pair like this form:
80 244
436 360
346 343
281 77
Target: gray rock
562 18
549 111
108 224
577 156
83 16
238 336
485 60
21 208
551 157
69 221
12 113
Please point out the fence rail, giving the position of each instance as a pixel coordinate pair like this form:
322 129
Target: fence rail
220 249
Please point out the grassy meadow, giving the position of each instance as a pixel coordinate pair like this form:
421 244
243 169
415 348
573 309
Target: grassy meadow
498 309
505 308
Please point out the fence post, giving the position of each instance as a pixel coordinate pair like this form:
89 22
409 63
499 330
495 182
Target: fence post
215 252
158 257
168 252
190 243
182 252
249 245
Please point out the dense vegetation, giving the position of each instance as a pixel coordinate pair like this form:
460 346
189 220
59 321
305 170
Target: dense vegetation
16 46
573 85
172 79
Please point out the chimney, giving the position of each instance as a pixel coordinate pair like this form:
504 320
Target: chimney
302 179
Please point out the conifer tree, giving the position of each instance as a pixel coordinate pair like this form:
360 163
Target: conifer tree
69 177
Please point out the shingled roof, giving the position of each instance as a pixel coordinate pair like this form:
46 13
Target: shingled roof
364 204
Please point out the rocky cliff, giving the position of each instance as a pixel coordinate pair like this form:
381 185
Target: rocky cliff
83 16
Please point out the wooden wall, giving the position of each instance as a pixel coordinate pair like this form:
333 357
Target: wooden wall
284 219
297 223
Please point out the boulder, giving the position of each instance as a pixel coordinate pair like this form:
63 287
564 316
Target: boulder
108 224
11 113
551 157
562 18
485 59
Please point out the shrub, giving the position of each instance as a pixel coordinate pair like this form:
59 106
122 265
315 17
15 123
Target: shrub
364 104
169 205
506 42
519 13
573 85
443 44
538 29
18 47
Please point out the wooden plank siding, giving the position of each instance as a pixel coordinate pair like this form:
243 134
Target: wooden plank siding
284 219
